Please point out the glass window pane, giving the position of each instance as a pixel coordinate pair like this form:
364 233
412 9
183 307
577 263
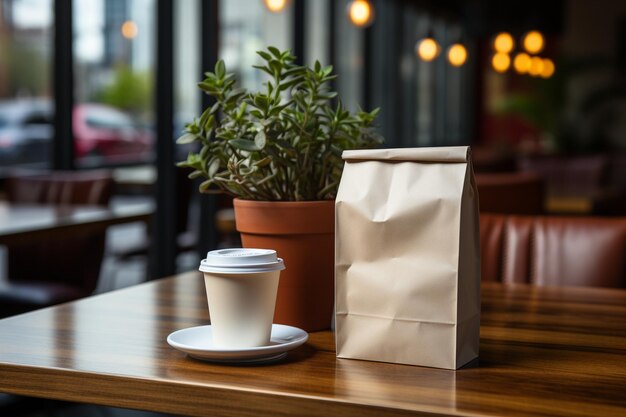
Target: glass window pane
186 68
349 65
26 103
317 32
113 118
247 26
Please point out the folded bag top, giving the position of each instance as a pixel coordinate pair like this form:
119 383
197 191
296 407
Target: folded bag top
459 154
407 257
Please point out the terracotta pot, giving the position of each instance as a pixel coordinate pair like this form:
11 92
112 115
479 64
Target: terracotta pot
303 234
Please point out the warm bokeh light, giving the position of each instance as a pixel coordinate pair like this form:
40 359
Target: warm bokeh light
533 42
521 63
503 43
501 62
536 66
129 29
275 6
360 13
428 49
457 55
548 68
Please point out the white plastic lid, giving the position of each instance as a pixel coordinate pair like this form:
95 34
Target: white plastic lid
241 260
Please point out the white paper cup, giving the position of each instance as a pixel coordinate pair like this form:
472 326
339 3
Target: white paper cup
241 286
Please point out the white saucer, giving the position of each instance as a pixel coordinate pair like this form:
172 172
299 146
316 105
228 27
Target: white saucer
197 342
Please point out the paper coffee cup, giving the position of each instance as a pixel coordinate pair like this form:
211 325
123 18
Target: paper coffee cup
241 286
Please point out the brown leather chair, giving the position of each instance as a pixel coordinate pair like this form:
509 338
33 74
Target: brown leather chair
545 250
510 193
51 271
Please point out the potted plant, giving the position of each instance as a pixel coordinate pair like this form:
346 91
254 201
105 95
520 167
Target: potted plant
278 152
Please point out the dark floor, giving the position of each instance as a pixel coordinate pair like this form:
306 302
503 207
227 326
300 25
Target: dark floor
14 406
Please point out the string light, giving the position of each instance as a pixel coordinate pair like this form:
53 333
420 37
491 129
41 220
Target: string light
276 6
521 63
536 66
533 42
361 13
501 62
457 54
129 29
503 43
428 49
548 68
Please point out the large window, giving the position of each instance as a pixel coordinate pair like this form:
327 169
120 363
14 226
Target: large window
246 26
113 118
26 107
423 103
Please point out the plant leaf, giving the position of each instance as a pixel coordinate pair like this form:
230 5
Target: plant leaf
205 185
187 138
274 51
220 69
195 174
263 162
264 55
204 153
214 166
260 139
244 145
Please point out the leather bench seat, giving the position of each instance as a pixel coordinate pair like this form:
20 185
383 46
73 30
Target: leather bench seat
554 250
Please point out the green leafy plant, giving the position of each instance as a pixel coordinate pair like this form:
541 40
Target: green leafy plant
283 143
129 90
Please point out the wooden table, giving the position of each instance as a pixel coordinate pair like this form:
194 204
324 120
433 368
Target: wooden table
544 351
20 222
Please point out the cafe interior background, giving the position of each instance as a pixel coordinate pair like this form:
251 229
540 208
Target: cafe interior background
537 88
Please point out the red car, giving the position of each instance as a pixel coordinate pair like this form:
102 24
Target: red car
106 134
103 134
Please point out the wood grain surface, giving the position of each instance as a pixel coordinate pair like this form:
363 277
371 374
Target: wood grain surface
544 351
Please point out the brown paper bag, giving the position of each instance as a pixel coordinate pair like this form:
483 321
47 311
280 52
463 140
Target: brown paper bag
408 257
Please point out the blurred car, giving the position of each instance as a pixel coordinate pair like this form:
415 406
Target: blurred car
102 134
25 131
108 134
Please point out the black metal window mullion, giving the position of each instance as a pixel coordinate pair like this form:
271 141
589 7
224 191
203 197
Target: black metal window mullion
163 259
208 237
332 41
299 30
63 85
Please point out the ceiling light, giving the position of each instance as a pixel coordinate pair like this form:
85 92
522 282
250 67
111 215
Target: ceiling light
533 42
521 63
457 54
503 43
276 6
428 49
361 13
501 62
